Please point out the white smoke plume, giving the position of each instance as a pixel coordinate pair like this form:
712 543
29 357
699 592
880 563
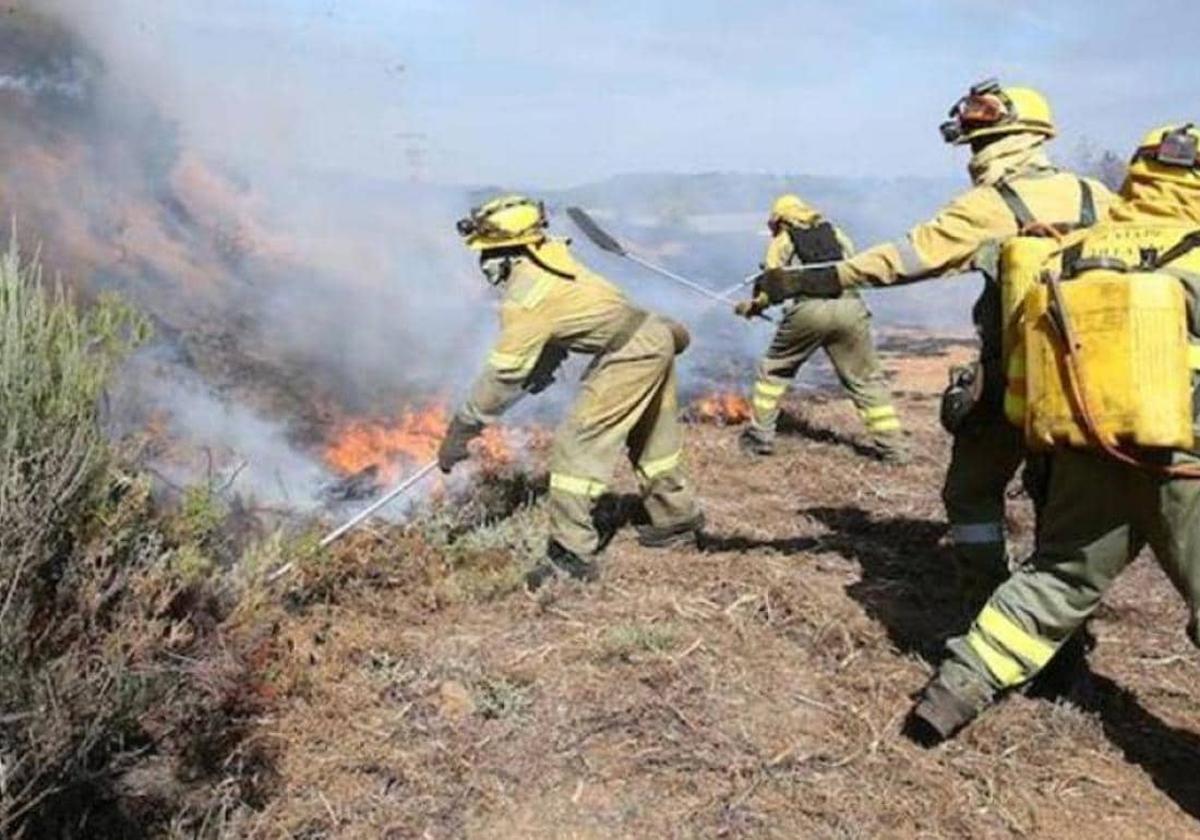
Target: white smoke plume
296 275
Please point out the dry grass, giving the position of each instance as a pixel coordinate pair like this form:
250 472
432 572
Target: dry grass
754 689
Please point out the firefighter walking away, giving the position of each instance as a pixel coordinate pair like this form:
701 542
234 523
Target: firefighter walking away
1016 189
1115 396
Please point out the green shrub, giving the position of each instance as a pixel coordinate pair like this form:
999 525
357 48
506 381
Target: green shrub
55 362
118 694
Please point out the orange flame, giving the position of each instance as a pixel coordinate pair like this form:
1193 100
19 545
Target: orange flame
396 447
725 408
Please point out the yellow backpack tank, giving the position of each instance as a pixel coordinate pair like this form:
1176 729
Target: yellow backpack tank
1131 328
1022 259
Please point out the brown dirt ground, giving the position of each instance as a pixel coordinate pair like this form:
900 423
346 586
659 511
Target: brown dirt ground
754 689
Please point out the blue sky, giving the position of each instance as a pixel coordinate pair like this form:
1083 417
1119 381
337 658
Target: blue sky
550 92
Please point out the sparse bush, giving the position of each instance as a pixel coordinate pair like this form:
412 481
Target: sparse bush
499 697
625 640
123 703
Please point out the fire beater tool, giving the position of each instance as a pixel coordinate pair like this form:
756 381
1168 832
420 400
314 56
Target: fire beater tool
397 491
353 522
605 242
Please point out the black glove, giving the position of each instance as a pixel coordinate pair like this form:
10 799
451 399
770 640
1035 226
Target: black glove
548 363
780 284
454 444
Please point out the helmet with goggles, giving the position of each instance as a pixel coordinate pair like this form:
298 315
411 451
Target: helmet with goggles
1170 153
505 222
990 109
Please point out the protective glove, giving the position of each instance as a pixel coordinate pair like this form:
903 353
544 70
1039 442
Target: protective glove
454 444
752 308
680 336
780 284
548 363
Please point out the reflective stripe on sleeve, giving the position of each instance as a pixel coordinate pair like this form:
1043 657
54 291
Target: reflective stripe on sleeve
576 486
910 261
977 532
660 466
1014 637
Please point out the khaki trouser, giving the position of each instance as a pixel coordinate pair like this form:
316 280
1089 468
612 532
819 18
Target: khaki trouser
986 454
628 402
1098 515
842 328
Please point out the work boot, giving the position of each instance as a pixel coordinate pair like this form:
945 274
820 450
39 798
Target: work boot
891 449
1066 676
938 715
894 456
671 536
753 443
560 562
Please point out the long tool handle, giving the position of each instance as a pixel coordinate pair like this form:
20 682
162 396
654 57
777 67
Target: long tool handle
683 281
606 242
400 489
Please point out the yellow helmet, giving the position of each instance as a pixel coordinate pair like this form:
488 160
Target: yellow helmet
1169 153
504 222
791 209
989 110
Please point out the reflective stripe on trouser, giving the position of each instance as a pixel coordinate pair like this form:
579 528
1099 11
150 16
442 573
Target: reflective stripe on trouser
841 327
1097 517
628 403
986 454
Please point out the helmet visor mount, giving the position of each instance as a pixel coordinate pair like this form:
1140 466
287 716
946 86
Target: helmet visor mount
984 106
1180 147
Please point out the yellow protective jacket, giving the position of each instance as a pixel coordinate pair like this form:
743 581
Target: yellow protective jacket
551 302
963 236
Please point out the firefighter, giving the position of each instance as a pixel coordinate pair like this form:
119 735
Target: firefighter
1015 188
1100 510
842 328
552 305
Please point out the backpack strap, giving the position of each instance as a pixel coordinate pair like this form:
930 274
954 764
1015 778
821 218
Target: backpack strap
1016 204
1184 246
1087 205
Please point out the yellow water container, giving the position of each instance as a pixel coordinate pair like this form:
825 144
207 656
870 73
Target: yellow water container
1022 260
1132 328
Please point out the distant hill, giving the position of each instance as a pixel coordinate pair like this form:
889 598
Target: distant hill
711 226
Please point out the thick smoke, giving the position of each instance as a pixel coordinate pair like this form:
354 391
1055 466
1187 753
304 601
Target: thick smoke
289 296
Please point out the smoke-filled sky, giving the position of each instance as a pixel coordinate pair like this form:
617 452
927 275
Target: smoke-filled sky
552 92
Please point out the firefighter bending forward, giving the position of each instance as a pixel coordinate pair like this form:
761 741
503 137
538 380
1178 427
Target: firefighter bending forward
1015 187
552 305
1099 511
841 327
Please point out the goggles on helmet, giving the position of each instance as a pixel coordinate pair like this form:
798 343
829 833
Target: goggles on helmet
481 221
1179 147
985 105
